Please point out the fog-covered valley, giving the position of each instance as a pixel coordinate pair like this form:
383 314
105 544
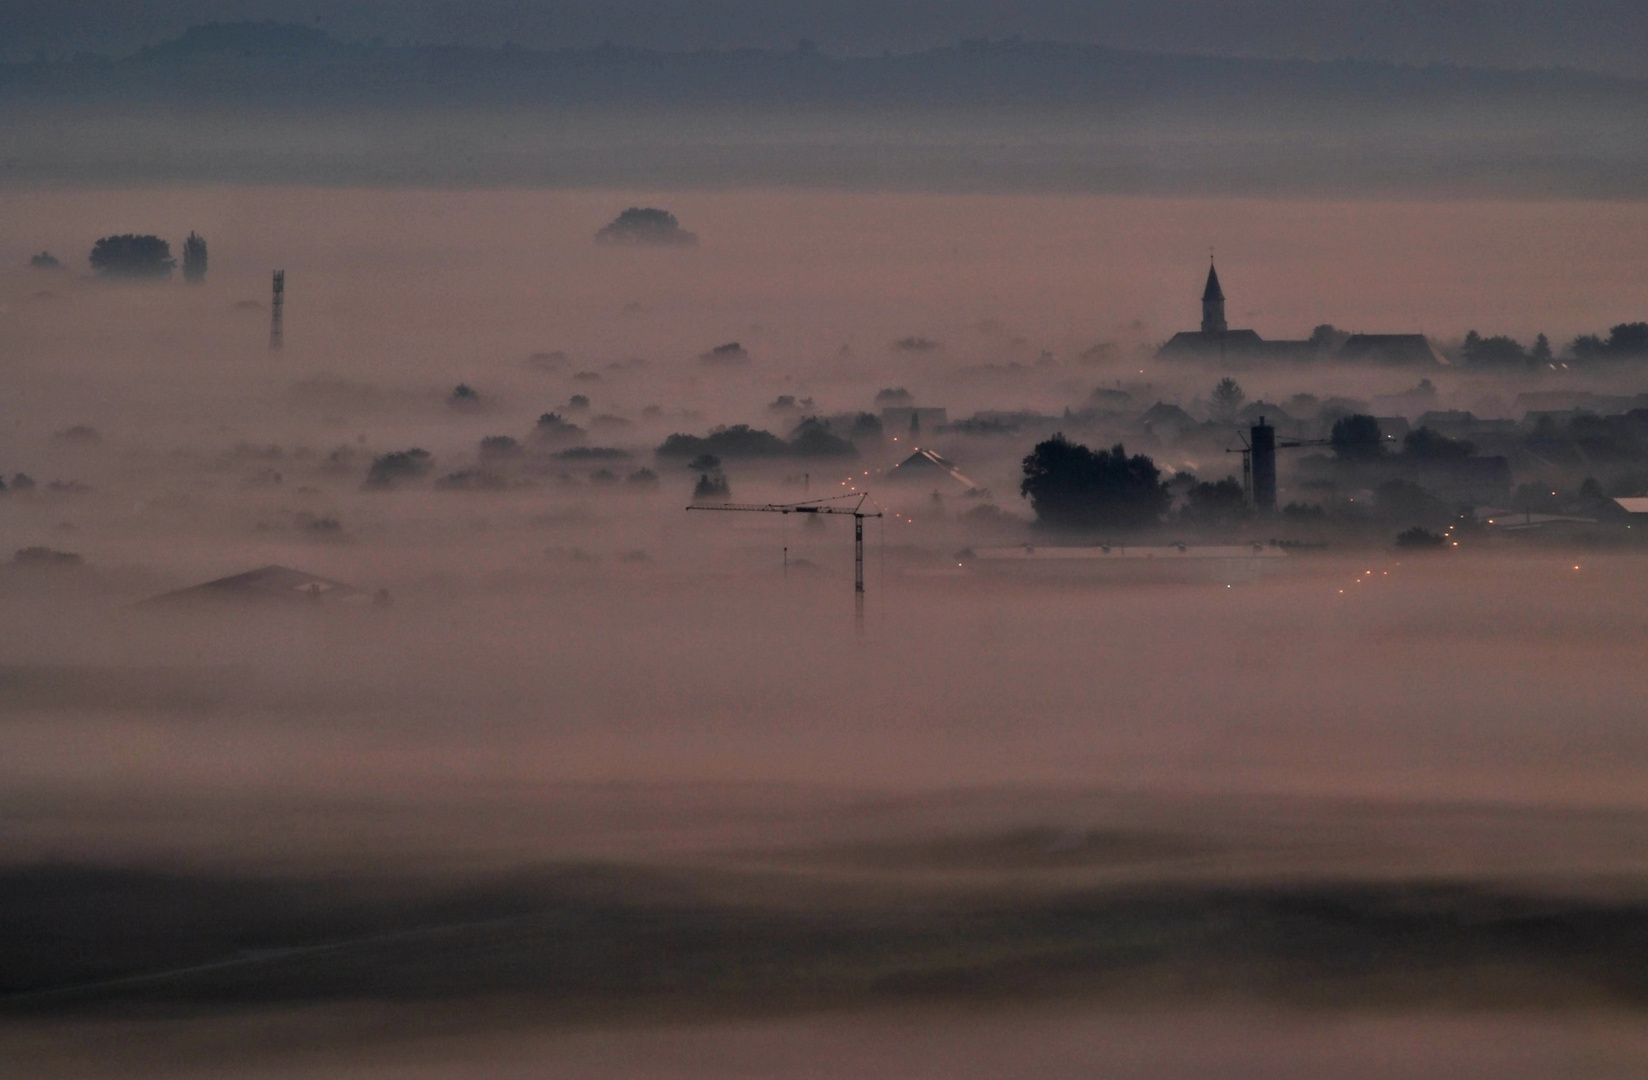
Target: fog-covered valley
581 782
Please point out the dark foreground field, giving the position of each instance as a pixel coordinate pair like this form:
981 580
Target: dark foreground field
604 940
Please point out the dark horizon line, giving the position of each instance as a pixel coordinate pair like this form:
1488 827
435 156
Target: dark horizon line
317 39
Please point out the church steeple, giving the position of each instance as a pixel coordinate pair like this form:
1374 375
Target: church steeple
1213 304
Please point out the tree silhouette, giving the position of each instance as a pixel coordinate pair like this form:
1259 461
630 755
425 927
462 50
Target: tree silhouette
1216 503
646 225
401 464
194 259
1228 397
1072 487
1327 338
133 256
711 486
1624 341
1498 351
1628 339
1357 438
1427 445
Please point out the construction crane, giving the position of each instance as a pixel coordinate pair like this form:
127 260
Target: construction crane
1259 462
820 506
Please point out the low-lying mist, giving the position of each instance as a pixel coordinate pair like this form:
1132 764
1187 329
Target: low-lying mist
565 777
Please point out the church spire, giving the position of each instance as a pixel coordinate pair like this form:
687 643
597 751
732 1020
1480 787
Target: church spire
1213 304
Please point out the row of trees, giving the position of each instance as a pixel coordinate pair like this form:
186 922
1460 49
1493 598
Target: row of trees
1075 488
1624 341
139 257
1357 439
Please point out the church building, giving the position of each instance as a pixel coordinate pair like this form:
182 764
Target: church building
1215 340
1218 342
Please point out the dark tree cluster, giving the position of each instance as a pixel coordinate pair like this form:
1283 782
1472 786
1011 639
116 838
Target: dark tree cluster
729 353
593 453
132 256
497 447
1357 438
1504 353
711 487
1616 440
552 427
1072 487
1626 341
645 225
1427 445
812 440
399 465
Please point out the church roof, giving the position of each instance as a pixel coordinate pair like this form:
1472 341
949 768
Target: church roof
1212 292
1391 349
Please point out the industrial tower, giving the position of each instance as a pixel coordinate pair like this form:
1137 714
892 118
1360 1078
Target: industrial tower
276 312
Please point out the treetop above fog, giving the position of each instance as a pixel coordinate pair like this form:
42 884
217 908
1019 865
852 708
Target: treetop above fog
1074 488
132 256
646 225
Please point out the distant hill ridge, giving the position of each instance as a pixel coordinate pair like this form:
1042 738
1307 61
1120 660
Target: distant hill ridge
267 38
302 64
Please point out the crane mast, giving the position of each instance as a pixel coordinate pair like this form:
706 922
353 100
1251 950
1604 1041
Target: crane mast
819 506
1259 463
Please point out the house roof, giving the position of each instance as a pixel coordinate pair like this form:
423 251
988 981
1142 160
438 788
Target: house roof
1163 413
927 465
270 583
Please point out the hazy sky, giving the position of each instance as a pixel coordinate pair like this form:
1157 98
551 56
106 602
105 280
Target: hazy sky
1594 34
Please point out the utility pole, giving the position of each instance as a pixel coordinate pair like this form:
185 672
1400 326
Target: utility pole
277 313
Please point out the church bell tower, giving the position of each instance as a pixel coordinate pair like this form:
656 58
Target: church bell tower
1213 305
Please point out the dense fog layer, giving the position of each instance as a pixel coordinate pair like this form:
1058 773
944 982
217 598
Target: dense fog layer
555 666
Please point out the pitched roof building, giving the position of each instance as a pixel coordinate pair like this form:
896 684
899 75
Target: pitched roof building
1390 349
271 584
1216 341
